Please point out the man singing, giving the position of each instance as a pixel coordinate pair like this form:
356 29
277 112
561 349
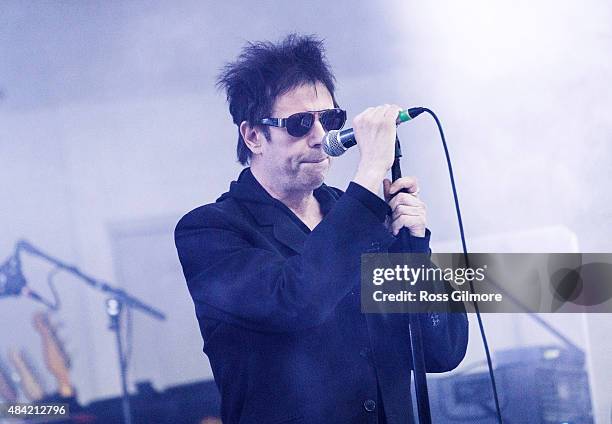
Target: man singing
273 266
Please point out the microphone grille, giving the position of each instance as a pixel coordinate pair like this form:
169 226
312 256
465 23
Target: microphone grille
332 144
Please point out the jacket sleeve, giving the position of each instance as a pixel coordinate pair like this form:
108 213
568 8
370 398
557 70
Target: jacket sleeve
445 334
445 338
232 280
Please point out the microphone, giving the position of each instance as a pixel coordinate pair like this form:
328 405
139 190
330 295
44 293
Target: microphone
12 280
336 142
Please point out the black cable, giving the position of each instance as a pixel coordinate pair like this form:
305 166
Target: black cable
467 263
51 282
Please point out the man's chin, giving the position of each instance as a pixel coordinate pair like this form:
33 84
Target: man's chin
314 178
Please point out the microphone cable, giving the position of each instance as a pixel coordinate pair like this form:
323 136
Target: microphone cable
417 111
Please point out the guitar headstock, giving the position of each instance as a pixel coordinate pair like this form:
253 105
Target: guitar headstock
56 358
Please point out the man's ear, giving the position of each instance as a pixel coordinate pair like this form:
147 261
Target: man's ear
252 136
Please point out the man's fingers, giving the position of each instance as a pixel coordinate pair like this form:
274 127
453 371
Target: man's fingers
392 111
408 210
409 183
405 199
386 186
408 221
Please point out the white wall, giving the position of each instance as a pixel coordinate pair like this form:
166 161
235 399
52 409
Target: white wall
109 119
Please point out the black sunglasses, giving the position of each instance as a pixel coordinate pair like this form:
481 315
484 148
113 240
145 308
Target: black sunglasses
299 124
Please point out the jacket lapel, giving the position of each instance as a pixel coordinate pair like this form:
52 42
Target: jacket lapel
284 229
268 211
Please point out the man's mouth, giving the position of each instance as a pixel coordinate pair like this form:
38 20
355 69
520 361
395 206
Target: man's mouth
316 160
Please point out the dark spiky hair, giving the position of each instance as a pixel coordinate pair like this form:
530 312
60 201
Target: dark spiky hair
264 71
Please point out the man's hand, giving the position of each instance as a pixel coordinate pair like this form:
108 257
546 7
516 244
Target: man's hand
375 135
408 210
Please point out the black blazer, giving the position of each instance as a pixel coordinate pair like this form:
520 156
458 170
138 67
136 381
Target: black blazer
279 310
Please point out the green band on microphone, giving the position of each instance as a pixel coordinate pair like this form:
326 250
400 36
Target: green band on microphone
403 116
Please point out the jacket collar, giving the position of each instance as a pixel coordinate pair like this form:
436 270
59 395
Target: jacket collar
268 211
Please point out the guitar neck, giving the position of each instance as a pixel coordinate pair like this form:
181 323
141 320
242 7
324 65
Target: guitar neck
56 359
30 381
8 390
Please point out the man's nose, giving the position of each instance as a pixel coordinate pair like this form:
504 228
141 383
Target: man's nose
316 134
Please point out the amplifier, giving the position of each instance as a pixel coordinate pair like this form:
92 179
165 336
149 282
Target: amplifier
540 385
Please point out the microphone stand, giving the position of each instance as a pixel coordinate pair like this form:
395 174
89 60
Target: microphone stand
416 337
118 300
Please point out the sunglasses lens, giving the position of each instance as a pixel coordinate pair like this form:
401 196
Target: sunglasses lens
299 124
333 119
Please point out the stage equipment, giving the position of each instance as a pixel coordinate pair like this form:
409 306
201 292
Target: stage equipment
186 403
12 282
56 358
414 325
539 385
